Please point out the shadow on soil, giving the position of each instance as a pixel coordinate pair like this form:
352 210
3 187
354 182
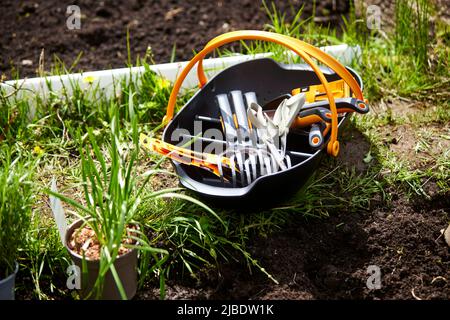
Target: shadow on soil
311 258
328 258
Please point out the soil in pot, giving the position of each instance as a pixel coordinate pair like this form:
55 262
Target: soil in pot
7 285
82 241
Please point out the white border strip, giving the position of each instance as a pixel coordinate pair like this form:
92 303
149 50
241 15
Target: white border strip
106 79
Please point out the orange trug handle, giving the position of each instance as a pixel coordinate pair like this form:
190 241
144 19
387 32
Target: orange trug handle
303 49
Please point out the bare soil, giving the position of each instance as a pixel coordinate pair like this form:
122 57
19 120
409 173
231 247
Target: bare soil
417 145
30 26
329 259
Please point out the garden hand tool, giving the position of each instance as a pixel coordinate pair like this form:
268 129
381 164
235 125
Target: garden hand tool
250 97
218 165
338 88
274 131
244 138
305 118
343 105
230 128
315 137
310 112
237 131
223 166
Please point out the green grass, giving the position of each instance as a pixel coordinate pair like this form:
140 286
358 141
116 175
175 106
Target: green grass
16 198
412 25
188 236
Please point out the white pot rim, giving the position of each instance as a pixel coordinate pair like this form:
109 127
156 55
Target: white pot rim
72 227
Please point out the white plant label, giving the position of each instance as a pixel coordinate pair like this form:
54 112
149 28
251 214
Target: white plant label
58 213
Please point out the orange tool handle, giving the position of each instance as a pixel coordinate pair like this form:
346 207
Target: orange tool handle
304 50
338 88
186 156
301 122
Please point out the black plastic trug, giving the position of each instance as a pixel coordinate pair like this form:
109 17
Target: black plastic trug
269 80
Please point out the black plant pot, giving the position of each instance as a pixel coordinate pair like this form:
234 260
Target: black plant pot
7 285
125 265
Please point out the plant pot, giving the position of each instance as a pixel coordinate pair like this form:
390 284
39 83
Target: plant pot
125 265
7 285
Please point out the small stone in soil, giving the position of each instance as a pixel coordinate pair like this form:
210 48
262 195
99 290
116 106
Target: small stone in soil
27 62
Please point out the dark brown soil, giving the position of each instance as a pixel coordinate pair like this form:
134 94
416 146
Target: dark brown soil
329 258
30 26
